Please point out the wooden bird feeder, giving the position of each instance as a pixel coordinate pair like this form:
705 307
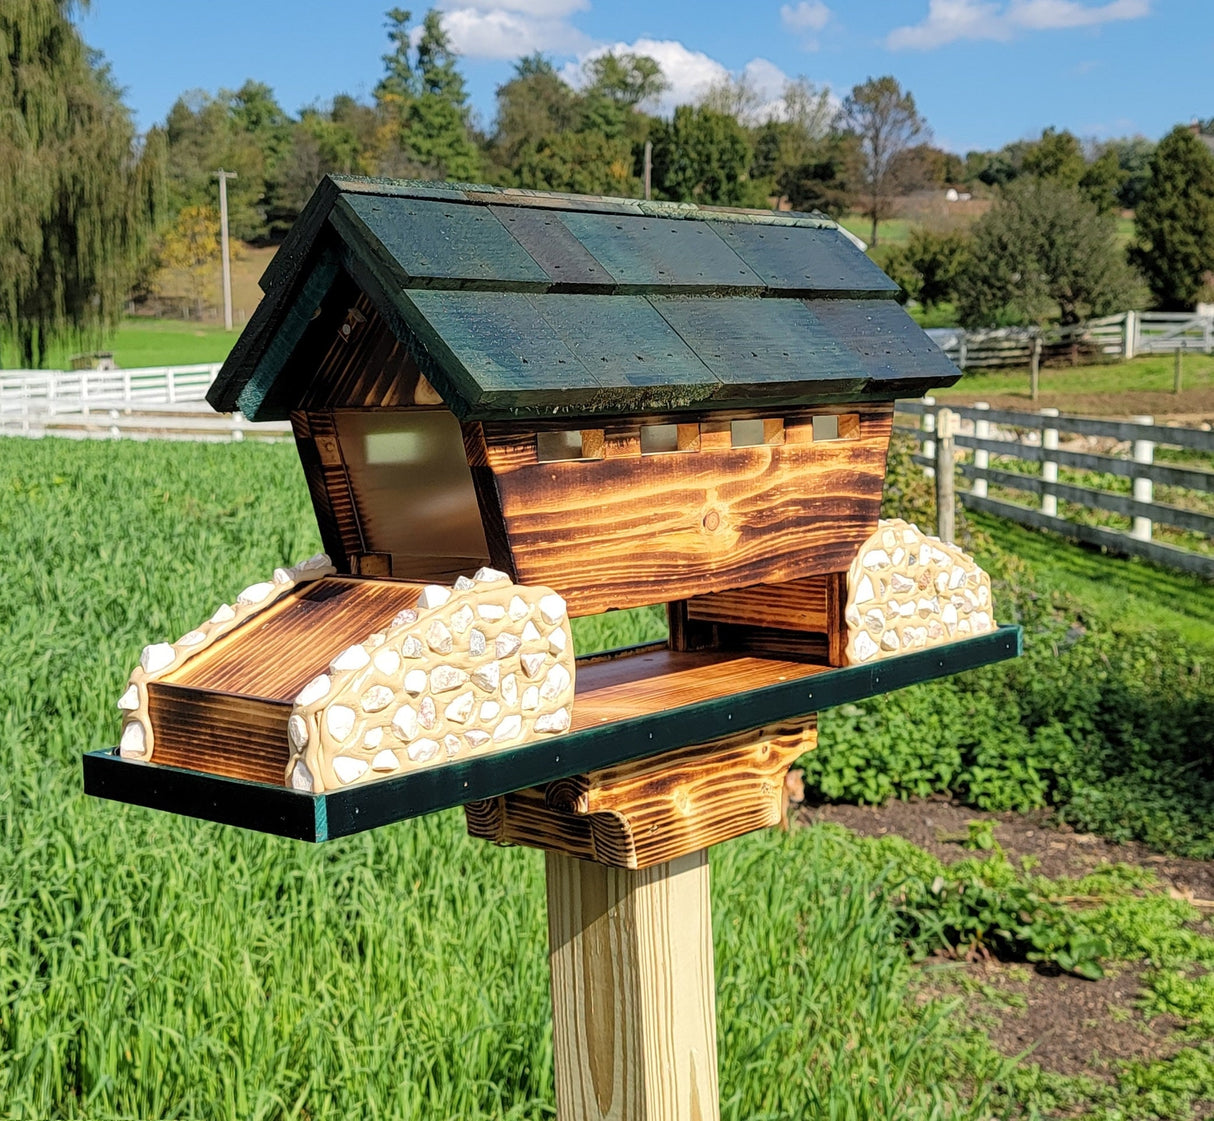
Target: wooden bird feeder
512 408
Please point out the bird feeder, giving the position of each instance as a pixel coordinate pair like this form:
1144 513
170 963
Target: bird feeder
514 408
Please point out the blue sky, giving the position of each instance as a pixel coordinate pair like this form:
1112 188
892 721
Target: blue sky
983 72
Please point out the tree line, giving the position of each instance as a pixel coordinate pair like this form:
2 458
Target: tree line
89 211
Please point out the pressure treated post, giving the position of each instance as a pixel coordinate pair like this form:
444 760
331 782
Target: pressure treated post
1035 368
633 992
946 508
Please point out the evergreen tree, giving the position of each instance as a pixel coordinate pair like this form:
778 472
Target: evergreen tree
78 196
1175 221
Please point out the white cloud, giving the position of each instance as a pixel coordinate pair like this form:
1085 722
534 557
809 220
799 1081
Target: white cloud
808 15
690 73
509 29
950 20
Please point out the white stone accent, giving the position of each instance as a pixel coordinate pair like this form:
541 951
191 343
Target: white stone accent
411 647
530 632
461 708
438 637
476 643
509 729
864 590
301 777
476 738
487 676
531 698
461 619
415 681
519 609
377 698
557 641
490 711
489 576
510 689
192 638
347 769
134 740
282 576
404 723
865 646
373 738
433 595
224 613
129 701
463 584
506 644
553 721
339 721
351 658
552 608
387 661
297 732
157 656
555 683
445 678
315 690
385 761
491 612
427 714
401 618
422 750
255 593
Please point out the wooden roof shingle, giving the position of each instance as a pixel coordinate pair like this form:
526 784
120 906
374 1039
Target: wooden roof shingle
522 303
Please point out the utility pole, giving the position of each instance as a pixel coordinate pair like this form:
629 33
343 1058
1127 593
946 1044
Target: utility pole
648 168
223 177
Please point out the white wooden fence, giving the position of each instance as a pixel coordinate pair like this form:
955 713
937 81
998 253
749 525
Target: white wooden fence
1124 335
1024 439
162 402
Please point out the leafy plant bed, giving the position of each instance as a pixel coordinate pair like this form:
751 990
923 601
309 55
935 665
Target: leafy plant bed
1137 1042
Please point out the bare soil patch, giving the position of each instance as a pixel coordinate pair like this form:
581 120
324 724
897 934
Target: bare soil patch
1191 408
1065 1024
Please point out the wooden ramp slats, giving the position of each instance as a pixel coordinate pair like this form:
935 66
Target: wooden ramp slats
281 649
796 259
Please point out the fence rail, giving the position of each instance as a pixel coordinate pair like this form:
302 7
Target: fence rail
1033 438
153 403
1124 335
56 391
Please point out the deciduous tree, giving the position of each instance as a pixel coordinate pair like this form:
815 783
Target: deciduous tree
1044 252
1175 220
885 120
79 197
704 156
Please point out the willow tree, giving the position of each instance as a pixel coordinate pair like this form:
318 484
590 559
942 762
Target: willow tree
78 195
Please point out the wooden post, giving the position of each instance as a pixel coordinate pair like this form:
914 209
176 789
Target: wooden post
982 458
1131 328
1049 467
648 169
1144 488
1176 373
946 509
633 994
1034 367
927 424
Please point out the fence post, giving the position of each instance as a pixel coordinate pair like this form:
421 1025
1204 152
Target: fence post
961 349
1144 489
126 385
1034 367
170 385
946 508
1049 467
1176 372
982 458
1131 327
927 423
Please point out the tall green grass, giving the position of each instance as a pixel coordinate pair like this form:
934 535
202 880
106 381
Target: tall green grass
153 966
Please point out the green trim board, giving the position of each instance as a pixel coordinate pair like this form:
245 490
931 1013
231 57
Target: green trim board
324 817
465 240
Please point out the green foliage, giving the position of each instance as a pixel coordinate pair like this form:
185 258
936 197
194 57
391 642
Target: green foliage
827 179
884 118
581 162
931 265
79 198
1175 221
704 156
1042 250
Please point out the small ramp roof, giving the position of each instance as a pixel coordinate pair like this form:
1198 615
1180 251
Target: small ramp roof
518 303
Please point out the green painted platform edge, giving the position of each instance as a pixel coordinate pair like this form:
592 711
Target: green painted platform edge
323 817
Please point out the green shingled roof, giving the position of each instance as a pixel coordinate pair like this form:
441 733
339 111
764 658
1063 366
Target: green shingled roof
520 303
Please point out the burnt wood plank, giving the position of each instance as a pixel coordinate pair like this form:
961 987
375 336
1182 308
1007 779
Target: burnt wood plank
241 737
641 254
281 649
799 605
606 534
796 260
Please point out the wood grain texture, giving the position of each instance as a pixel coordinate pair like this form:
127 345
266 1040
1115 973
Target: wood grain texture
202 730
799 605
638 814
622 532
288 644
633 991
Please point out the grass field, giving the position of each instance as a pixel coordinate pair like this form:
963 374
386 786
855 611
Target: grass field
152 342
160 967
